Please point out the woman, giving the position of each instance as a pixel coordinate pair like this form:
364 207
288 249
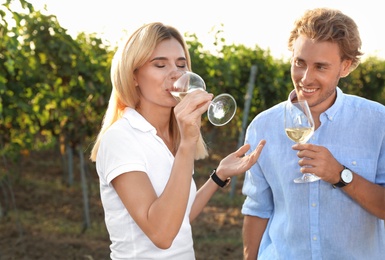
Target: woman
146 149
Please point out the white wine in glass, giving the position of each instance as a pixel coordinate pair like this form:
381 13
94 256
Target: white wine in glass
299 134
299 127
222 108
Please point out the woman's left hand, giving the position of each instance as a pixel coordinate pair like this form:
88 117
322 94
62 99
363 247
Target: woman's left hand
236 163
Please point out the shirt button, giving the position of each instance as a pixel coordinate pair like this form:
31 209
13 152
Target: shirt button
314 238
314 204
354 163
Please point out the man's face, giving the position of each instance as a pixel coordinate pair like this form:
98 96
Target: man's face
316 68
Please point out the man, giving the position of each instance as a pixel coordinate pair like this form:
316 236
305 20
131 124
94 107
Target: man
342 215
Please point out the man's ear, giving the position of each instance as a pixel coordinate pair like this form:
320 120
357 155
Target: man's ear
346 64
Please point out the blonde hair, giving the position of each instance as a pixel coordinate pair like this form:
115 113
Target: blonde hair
129 57
325 24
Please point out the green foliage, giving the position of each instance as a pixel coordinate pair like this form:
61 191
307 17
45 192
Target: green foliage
228 71
51 85
368 80
54 87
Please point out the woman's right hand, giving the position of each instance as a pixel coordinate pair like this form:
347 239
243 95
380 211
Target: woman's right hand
189 112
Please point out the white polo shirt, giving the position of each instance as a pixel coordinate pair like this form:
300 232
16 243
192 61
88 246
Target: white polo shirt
131 144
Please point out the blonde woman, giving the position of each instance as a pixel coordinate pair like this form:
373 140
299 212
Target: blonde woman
146 149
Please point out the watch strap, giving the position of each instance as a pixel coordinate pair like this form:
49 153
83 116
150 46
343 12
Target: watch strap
339 184
217 180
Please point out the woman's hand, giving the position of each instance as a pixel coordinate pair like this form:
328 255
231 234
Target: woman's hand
189 111
236 163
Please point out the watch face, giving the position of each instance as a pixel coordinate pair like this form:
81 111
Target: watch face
347 176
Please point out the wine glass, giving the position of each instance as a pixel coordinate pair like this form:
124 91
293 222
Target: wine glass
299 127
222 108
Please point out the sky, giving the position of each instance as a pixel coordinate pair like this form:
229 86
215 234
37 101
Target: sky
249 22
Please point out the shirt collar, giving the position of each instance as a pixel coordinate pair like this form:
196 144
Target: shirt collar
331 111
136 120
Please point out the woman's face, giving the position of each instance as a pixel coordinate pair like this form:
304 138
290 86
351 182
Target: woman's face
156 76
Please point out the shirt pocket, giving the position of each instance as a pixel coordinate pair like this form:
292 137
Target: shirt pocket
367 168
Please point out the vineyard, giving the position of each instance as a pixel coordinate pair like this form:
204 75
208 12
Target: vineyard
54 90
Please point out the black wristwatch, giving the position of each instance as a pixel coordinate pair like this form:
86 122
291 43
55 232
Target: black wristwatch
218 181
346 177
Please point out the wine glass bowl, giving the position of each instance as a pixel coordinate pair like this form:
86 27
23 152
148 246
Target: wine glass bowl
299 127
222 108
186 82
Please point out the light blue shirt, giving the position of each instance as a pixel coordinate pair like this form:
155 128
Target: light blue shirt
314 220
